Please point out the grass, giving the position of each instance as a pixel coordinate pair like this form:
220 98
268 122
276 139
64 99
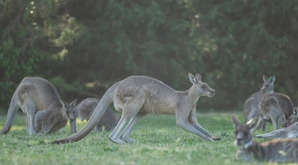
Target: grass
159 142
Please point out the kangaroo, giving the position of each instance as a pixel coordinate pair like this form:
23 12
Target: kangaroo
275 106
277 150
41 103
86 108
136 96
251 106
292 119
287 132
51 120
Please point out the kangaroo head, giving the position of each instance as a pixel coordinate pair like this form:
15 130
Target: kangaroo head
268 86
199 87
292 119
68 110
243 132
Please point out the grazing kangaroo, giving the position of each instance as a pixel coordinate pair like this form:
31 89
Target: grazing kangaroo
136 96
42 106
251 106
288 132
86 108
275 106
278 150
292 119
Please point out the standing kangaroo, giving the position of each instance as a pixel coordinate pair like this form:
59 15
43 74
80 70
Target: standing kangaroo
278 150
136 96
275 106
42 106
251 106
86 108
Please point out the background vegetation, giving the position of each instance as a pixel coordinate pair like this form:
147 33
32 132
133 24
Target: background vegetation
83 47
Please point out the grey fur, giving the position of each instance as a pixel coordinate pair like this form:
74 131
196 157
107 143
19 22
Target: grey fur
275 106
288 132
278 150
251 106
86 108
292 119
136 96
42 106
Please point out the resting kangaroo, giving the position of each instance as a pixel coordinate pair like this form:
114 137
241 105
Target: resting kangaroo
288 132
41 104
251 106
136 96
86 108
292 119
278 150
275 106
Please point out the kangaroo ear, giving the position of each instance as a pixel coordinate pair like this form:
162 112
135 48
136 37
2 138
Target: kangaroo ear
63 103
199 77
265 78
254 123
73 103
272 79
235 121
192 78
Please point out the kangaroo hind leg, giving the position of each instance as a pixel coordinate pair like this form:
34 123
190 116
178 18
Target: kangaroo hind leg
97 128
30 109
130 109
41 122
275 116
130 126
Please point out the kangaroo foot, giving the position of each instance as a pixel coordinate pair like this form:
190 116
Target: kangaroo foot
128 140
117 140
216 138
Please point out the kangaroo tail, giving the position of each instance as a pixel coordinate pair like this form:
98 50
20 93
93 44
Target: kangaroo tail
13 108
275 134
100 109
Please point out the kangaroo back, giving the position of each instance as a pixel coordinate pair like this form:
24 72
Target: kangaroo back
86 108
279 100
286 104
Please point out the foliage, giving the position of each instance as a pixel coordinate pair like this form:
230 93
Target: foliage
95 43
159 141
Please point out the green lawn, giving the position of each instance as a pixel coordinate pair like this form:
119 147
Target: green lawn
159 141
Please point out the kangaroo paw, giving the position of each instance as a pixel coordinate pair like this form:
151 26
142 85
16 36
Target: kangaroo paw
128 140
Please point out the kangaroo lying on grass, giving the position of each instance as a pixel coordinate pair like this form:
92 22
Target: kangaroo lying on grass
136 96
278 150
42 106
251 106
275 106
86 108
292 119
288 132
